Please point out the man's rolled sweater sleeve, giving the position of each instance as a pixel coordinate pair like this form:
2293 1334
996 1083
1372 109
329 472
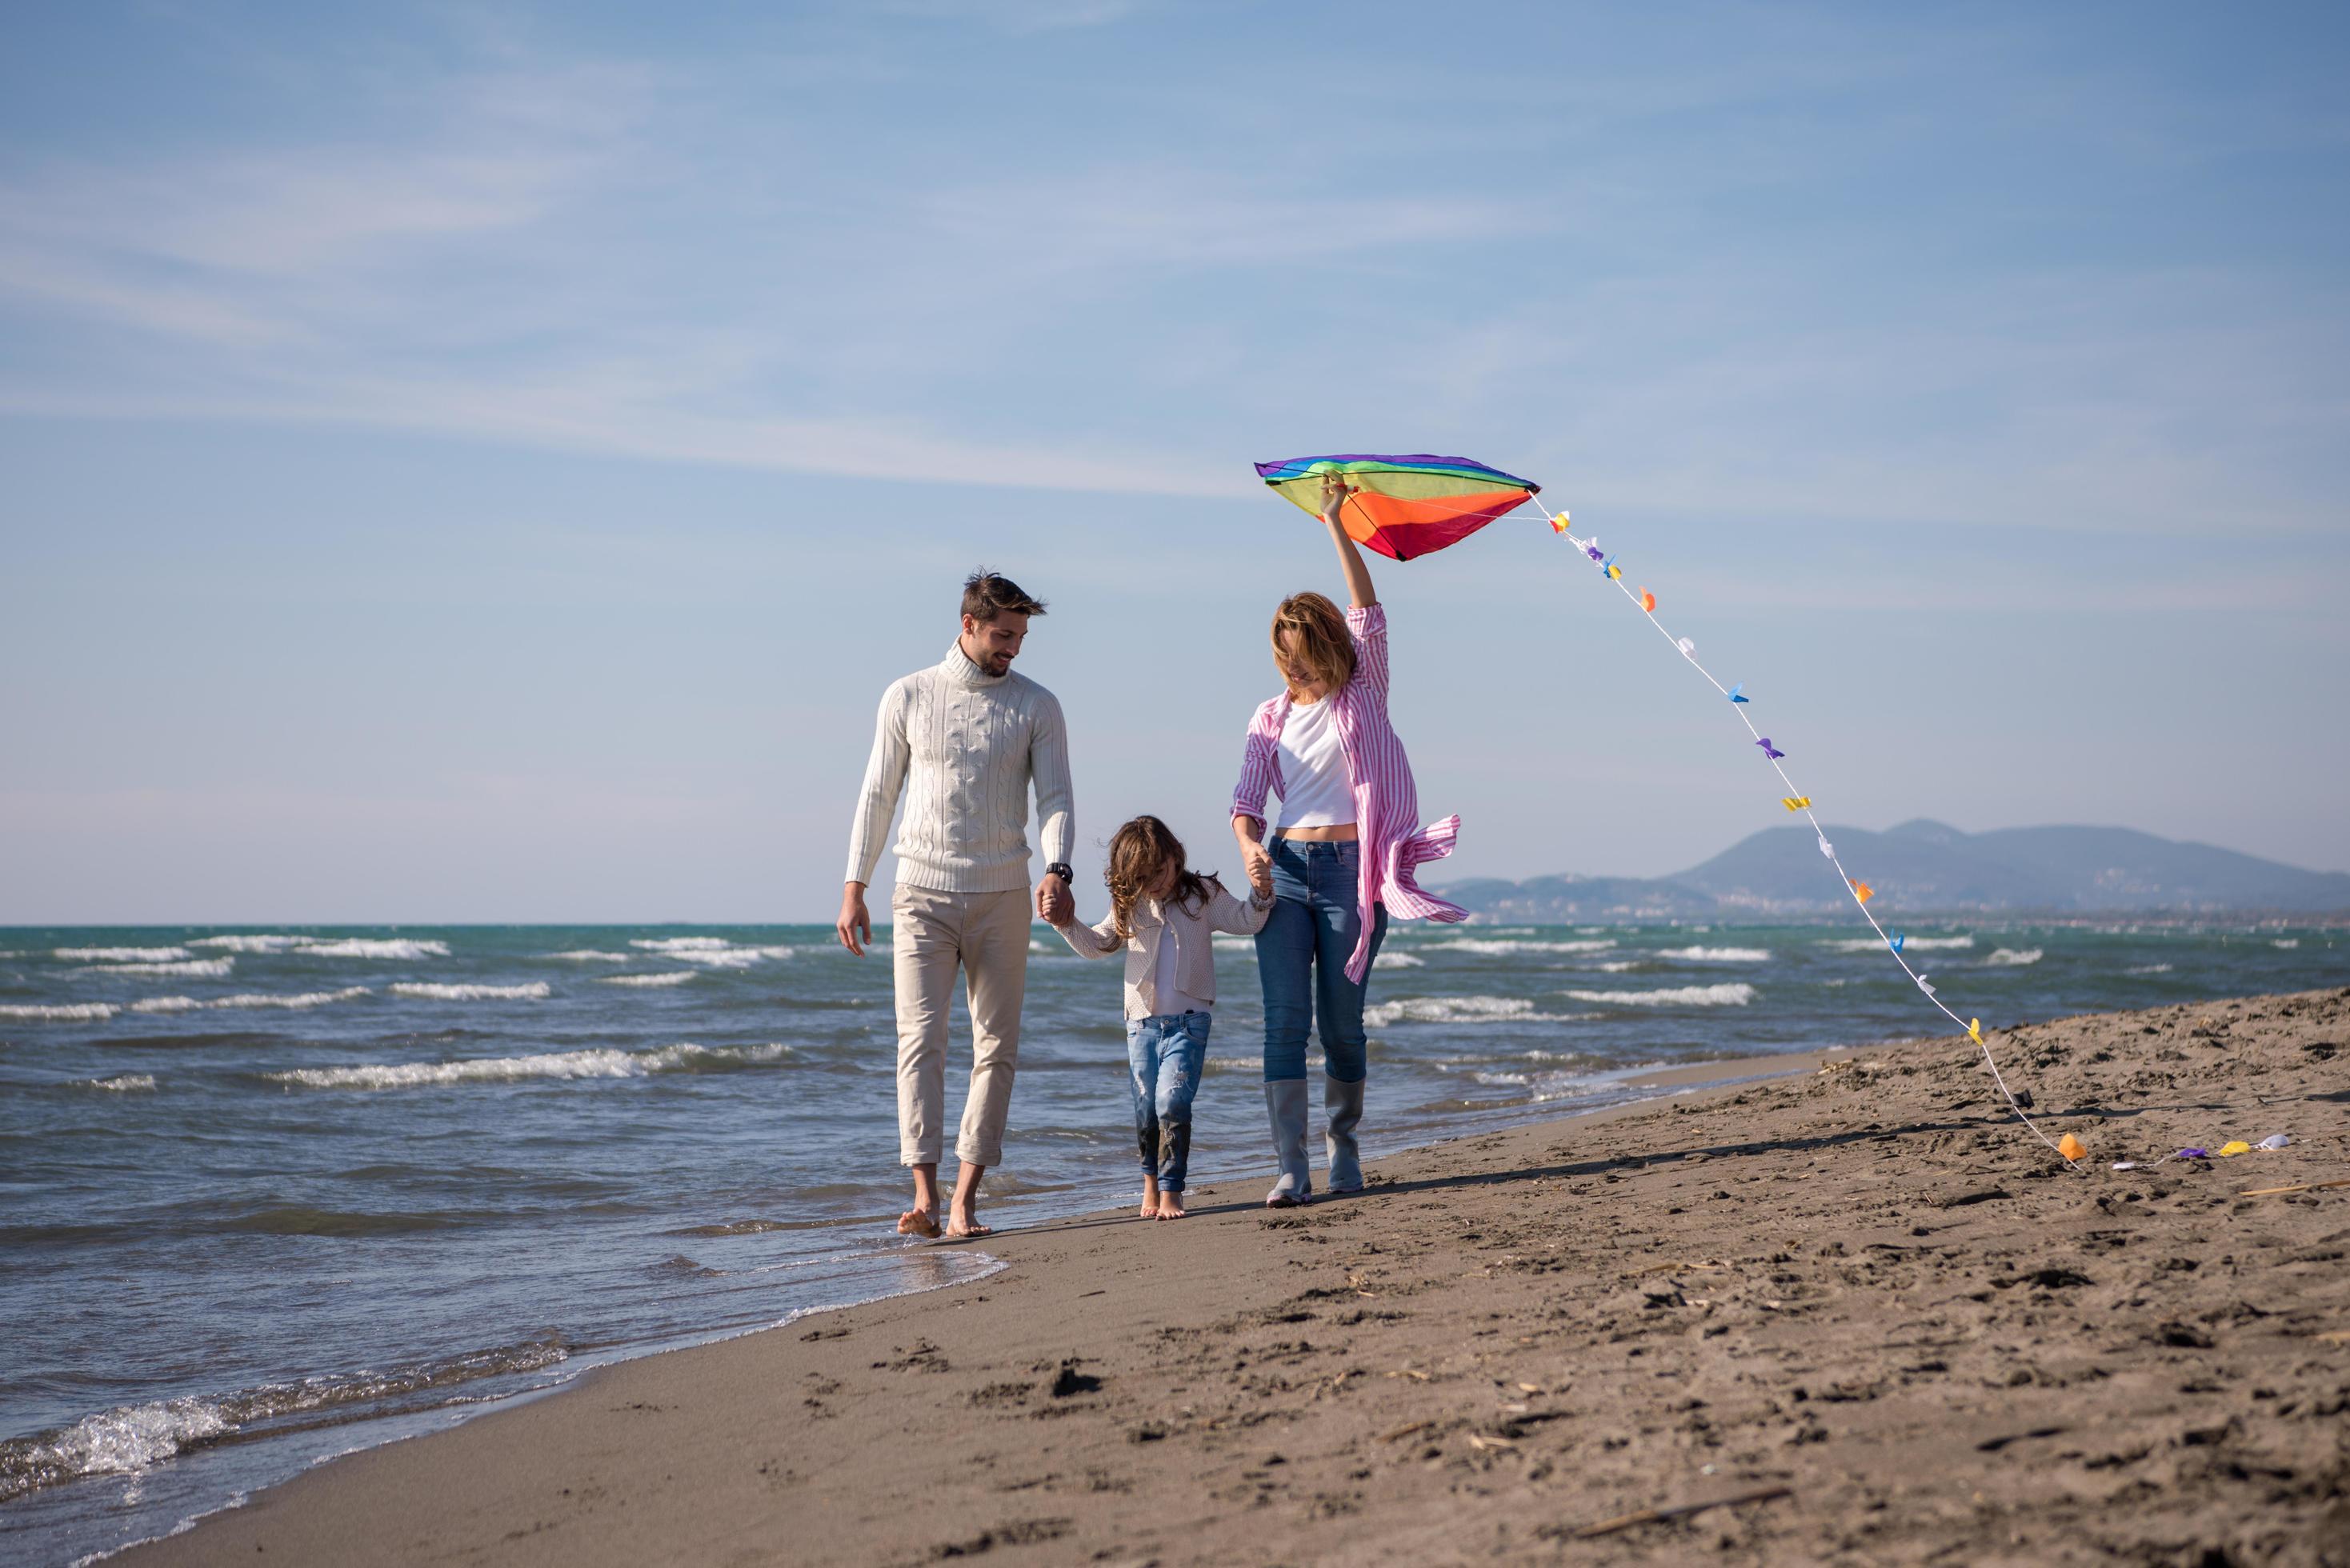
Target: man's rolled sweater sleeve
885 779
1048 765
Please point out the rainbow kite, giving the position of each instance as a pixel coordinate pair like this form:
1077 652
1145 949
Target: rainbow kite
1403 506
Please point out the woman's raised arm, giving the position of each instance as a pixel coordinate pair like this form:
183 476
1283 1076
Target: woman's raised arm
1360 592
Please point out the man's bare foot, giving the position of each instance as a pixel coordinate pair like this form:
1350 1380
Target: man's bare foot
1170 1206
963 1224
918 1222
1149 1199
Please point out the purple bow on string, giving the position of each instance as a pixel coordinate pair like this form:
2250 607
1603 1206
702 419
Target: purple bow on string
1770 751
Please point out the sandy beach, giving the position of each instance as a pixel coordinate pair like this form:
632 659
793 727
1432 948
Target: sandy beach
1855 1295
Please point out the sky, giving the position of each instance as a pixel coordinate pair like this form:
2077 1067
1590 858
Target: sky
482 463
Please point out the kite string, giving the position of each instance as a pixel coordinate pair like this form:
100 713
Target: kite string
1793 793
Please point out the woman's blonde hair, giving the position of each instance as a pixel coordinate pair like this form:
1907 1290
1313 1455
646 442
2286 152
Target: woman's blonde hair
1139 853
1318 641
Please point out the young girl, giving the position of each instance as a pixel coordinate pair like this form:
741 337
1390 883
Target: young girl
1161 915
1342 861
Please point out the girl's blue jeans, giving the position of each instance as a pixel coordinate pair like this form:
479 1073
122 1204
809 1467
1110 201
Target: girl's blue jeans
1300 957
1166 1055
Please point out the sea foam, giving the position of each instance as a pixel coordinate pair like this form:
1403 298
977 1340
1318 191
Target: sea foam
1718 955
374 947
1454 1010
1489 945
64 1012
1737 994
675 977
536 991
597 1063
295 1000
121 1083
591 955
193 969
2012 957
122 955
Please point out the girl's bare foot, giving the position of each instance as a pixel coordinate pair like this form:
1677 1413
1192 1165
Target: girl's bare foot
963 1223
1170 1206
918 1222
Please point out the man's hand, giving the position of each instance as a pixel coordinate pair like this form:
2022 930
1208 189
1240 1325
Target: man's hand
855 926
1055 905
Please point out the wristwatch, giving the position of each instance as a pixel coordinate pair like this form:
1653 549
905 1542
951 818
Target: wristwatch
1061 868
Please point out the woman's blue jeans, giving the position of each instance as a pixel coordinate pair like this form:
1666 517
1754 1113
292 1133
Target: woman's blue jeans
1300 957
1167 1055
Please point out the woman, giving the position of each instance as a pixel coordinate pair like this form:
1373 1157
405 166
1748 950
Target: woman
1343 860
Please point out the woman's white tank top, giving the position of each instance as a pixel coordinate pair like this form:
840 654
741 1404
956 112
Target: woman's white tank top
1314 789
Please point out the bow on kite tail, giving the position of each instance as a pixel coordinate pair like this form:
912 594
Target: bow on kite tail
2069 1149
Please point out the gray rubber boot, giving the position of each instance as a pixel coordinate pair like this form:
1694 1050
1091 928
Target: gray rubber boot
1342 1104
1285 1104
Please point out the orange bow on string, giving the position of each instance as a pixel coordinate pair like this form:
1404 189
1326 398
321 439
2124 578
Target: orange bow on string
1863 891
1558 524
1794 801
1647 601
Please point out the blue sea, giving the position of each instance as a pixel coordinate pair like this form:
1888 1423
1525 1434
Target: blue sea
272 1194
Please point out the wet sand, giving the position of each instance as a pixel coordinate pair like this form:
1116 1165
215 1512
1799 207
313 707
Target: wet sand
1860 1296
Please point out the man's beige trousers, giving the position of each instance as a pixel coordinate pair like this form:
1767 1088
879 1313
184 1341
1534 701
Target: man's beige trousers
986 935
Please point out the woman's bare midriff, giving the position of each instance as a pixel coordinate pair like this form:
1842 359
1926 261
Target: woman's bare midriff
1336 833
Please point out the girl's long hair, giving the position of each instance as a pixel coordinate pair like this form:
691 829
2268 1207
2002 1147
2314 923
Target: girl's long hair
1318 639
1139 853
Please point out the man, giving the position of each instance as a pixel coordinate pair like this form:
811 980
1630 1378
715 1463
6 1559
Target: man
972 737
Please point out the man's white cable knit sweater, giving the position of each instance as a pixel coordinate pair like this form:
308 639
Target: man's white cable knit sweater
965 746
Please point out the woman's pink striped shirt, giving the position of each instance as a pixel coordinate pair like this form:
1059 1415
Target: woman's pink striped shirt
1387 803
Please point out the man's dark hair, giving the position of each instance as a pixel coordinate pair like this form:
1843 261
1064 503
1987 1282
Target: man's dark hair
987 596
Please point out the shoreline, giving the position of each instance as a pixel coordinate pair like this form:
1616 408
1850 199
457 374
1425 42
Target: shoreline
1656 1082
1929 1337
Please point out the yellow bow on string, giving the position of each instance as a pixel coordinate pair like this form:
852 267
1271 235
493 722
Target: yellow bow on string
1975 1029
1794 801
1614 573
1863 891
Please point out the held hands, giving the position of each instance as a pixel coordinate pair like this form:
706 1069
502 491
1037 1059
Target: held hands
1257 862
1055 905
855 927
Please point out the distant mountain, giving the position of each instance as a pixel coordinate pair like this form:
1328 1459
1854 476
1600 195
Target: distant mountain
1931 866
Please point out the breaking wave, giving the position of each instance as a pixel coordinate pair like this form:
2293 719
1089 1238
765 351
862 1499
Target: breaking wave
590 955
121 955
2012 957
2150 969
681 944
133 1438
675 977
253 944
59 1012
1515 945
121 1083
1913 944
537 990
1455 1009
194 968
1718 955
600 1064
1398 961
373 948
1737 994
299 1000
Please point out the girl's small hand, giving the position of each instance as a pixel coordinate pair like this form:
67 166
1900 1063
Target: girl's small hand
1258 866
